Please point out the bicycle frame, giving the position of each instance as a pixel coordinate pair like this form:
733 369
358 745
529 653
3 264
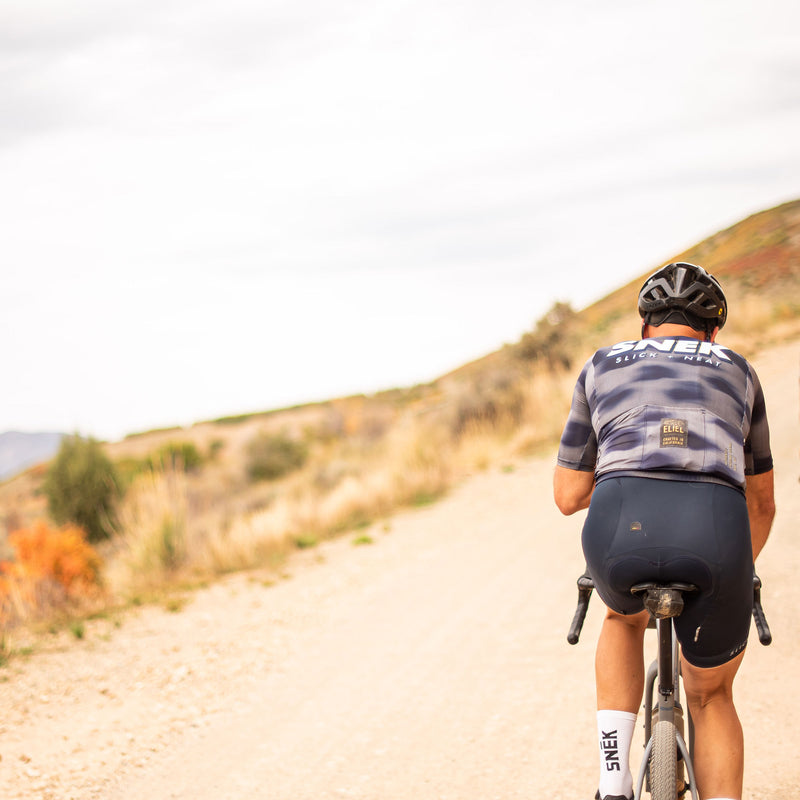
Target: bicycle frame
664 603
650 684
665 671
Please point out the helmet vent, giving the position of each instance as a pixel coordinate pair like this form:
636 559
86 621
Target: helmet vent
686 288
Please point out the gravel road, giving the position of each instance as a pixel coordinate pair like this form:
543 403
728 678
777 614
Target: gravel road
432 664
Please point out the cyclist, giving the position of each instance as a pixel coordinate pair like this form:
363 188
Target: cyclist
667 445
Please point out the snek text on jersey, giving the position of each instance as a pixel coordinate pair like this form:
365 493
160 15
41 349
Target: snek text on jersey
678 346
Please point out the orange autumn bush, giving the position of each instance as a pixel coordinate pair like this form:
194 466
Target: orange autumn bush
52 567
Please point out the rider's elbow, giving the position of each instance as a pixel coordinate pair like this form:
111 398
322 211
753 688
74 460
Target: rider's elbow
572 506
767 509
572 490
566 503
761 496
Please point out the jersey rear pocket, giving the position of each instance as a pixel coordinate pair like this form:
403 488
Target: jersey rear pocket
675 439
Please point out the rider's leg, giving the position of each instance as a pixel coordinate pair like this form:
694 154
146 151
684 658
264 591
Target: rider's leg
619 672
619 661
719 743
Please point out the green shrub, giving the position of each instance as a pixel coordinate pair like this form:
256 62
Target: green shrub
173 456
215 447
271 456
551 341
82 487
176 455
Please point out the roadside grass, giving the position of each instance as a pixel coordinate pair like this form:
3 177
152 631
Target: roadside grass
175 528
152 546
364 460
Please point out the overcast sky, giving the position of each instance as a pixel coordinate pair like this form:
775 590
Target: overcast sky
213 207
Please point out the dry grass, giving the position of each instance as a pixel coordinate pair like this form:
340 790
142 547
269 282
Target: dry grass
306 509
152 546
368 458
171 530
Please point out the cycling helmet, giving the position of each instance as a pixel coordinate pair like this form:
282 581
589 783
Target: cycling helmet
683 293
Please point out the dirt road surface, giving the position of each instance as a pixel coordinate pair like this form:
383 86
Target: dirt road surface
431 665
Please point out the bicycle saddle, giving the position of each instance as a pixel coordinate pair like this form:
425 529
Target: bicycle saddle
663 600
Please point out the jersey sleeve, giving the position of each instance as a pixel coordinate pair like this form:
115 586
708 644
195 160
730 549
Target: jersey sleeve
757 452
578 447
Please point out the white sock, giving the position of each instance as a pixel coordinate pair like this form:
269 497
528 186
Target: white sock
615 733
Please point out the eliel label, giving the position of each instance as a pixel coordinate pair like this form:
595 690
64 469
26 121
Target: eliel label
674 433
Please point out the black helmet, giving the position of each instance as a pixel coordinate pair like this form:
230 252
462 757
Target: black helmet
683 292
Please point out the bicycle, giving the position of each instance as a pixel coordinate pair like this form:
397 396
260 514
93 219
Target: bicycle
666 770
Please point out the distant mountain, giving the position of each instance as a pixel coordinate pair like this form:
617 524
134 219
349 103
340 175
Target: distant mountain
21 450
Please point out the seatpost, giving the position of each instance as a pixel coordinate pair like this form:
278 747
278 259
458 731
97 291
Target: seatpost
664 601
666 678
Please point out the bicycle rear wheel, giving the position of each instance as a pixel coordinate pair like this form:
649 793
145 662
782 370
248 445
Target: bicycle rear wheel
664 762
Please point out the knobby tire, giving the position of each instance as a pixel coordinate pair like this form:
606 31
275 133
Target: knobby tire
664 762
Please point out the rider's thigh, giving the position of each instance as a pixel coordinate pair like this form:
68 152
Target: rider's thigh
637 621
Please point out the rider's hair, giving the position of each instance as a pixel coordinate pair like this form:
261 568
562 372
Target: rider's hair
685 294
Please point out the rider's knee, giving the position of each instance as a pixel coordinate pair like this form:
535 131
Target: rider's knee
707 685
703 695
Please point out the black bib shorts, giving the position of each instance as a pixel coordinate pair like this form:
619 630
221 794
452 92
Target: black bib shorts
647 529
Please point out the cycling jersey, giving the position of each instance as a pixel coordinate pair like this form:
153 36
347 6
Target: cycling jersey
668 407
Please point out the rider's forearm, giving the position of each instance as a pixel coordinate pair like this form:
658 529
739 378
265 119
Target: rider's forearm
760 524
760 508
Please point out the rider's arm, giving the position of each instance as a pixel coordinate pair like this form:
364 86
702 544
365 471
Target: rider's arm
760 508
572 489
573 481
760 484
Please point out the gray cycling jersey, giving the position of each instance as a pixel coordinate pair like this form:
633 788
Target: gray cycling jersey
668 407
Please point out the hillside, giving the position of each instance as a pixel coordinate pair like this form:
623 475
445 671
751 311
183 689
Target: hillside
758 263
359 459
